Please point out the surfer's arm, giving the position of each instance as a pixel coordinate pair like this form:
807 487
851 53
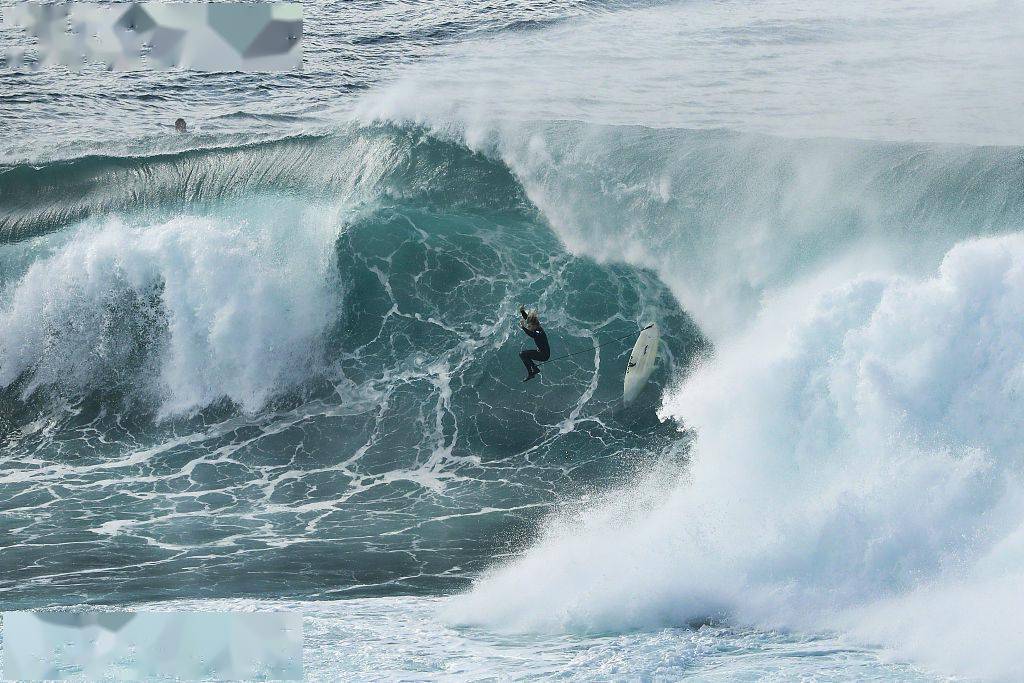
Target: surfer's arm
532 334
522 311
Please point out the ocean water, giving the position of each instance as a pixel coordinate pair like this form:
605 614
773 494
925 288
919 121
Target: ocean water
272 362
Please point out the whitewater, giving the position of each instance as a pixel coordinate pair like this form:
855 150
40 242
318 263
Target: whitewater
273 363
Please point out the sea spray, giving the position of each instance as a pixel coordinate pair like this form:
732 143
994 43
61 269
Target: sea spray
851 457
183 312
869 70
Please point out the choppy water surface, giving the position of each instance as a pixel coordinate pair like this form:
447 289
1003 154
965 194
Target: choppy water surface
273 362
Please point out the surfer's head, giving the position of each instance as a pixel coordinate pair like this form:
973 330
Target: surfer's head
179 125
532 320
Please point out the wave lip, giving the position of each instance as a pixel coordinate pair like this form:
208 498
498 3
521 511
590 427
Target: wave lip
783 69
354 165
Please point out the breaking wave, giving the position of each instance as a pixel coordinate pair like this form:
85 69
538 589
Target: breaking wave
295 361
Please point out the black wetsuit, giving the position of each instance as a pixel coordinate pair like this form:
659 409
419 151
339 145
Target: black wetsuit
542 353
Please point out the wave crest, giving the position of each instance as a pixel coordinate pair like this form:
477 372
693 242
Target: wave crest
181 313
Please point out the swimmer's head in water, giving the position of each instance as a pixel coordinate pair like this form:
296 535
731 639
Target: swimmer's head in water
179 125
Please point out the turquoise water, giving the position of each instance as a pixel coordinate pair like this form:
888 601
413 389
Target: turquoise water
273 362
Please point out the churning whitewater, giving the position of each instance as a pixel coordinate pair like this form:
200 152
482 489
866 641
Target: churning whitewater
273 363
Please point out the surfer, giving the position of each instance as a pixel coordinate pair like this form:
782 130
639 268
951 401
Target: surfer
180 126
531 326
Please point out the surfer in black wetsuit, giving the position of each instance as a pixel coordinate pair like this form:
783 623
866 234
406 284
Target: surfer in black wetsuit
531 326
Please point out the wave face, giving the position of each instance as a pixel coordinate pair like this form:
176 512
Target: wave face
290 384
728 219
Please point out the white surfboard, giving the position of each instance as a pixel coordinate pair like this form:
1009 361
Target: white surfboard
641 363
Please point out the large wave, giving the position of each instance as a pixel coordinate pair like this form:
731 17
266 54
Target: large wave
257 384
856 464
854 461
833 401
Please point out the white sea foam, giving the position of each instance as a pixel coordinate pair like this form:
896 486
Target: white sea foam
857 466
202 307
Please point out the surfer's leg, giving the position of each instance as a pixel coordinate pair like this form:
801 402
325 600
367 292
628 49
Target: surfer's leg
530 358
527 359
